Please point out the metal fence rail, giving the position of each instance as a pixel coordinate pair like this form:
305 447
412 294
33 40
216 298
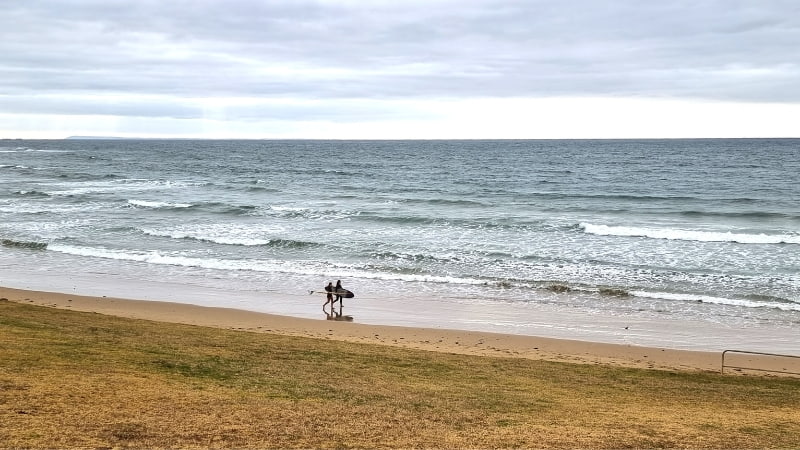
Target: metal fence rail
722 369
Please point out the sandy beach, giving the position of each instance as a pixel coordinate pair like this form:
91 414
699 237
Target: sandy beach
439 340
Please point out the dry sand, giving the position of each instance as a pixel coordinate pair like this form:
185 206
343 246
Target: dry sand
450 341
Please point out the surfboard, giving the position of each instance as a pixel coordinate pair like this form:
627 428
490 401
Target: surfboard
343 292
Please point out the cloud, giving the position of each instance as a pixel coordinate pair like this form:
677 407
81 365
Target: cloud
338 60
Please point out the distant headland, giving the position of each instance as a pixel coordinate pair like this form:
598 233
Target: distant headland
98 137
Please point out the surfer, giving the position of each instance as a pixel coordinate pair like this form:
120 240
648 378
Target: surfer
329 295
339 290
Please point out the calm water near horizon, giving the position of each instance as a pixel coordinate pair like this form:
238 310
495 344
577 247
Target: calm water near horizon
704 233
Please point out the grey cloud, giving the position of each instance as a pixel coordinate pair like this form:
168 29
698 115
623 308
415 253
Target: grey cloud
744 51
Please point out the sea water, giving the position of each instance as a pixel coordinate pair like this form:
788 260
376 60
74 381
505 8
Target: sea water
676 243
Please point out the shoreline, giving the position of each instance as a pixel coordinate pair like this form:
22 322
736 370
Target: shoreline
438 340
570 316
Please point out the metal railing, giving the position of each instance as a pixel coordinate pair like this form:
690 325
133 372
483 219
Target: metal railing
722 369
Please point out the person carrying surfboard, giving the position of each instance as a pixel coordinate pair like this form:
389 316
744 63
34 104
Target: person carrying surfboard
339 289
329 295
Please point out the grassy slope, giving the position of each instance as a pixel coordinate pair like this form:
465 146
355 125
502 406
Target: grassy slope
79 379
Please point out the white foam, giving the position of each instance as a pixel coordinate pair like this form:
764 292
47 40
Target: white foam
289 208
228 234
349 272
309 212
149 204
207 236
155 257
34 208
90 187
690 235
718 300
291 267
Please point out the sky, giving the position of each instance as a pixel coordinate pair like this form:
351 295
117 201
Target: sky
400 69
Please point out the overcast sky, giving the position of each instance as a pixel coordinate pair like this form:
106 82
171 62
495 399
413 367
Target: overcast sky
400 68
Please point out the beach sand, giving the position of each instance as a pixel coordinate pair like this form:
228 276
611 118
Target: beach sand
438 340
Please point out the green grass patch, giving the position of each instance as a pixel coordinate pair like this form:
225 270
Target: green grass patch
71 379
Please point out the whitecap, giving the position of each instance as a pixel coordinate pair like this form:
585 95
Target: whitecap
690 235
211 234
150 204
784 306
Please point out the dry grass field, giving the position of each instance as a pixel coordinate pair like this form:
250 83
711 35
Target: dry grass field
71 379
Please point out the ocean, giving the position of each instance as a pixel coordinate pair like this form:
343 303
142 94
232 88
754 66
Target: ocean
689 244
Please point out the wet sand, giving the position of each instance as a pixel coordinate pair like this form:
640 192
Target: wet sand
439 340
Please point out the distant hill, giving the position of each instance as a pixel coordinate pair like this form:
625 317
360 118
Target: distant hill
97 137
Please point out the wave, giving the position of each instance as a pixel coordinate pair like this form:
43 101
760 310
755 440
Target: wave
750 301
229 237
32 245
113 186
689 235
400 217
290 212
615 197
327 172
408 257
88 177
781 304
9 166
261 189
210 207
156 257
757 215
157 205
32 193
276 266
46 208
222 208
444 202
400 275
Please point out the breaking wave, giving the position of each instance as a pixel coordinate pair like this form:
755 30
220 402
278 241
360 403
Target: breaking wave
224 236
254 265
782 304
157 205
690 235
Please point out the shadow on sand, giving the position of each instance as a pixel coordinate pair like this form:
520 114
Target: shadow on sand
333 314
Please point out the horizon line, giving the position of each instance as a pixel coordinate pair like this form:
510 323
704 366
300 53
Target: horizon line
100 138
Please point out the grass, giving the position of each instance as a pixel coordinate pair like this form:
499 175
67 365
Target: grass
70 379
